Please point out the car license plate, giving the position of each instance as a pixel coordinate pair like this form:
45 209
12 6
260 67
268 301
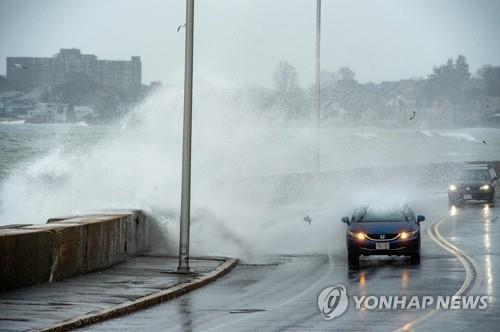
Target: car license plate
467 196
382 245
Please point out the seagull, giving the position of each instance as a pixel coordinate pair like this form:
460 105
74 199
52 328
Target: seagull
308 220
20 66
181 26
484 142
412 116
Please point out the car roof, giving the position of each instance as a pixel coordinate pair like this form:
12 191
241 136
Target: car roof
370 213
476 166
475 170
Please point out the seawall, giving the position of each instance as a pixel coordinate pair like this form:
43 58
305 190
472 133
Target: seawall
68 246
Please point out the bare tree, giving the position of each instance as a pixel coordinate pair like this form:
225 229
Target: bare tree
285 77
346 73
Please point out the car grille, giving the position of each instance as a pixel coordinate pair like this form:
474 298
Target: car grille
382 237
469 189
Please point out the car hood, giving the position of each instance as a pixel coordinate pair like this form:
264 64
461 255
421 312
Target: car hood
471 183
382 227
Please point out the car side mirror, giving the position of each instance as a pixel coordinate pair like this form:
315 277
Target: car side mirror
420 218
345 220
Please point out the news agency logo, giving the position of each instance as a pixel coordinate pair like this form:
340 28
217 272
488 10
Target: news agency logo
332 302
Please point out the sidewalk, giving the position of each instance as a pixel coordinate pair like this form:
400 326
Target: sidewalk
138 283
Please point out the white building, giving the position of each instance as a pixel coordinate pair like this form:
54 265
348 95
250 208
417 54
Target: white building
51 112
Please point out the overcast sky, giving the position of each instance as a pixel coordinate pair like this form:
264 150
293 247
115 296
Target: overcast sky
243 40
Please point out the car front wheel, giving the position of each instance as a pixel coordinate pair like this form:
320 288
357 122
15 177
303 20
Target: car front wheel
353 259
493 197
415 258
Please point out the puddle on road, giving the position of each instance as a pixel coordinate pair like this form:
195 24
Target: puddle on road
267 261
246 311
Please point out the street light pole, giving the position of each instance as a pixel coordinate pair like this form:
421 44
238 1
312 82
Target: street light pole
317 159
186 142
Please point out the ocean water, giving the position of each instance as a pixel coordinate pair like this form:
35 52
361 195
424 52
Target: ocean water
52 170
24 145
21 144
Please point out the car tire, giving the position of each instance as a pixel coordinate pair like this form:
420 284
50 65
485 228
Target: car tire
493 198
353 259
415 258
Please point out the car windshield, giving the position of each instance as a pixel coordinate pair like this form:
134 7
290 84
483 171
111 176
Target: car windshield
474 175
374 215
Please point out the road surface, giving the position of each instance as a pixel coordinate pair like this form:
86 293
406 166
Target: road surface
459 257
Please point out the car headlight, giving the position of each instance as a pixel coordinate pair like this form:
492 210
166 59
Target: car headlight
405 235
452 187
359 236
485 187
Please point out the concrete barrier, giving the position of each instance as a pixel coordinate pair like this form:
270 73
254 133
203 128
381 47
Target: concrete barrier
69 246
289 187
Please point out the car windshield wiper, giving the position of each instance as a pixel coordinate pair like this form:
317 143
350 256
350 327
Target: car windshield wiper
360 218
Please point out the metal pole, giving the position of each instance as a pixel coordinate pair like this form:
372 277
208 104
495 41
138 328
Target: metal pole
318 89
186 142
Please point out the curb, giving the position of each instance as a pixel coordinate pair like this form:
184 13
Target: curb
145 301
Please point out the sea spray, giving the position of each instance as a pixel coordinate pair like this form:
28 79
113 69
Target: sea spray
252 184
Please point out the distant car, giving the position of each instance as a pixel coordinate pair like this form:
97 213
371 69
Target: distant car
394 231
474 183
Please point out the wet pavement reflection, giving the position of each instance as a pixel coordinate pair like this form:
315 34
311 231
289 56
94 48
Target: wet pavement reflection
475 230
283 296
185 310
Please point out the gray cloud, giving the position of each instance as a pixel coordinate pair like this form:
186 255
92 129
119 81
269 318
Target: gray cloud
243 40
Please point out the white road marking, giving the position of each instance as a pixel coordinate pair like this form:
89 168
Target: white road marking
470 266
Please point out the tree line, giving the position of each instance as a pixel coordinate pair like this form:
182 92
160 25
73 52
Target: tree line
450 94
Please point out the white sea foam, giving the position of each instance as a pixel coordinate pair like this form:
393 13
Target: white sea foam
251 183
458 135
12 122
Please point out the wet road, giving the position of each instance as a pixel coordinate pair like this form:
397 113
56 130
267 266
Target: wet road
460 255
